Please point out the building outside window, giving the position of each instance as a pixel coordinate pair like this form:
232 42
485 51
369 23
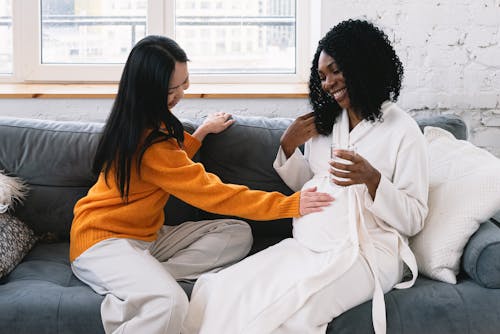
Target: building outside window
89 40
261 35
103 32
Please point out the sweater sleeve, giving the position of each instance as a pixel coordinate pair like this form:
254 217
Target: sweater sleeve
191 145
295 170
170 168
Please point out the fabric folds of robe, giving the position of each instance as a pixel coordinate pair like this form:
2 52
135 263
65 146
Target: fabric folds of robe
327 243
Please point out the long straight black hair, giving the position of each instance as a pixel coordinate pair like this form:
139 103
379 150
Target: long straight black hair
141 105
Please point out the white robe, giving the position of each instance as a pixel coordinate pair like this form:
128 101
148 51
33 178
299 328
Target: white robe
363 240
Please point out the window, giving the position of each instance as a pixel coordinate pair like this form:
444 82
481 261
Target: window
5 37
101 32
89 41
261 36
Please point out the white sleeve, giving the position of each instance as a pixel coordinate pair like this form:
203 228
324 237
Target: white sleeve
402 203
295 170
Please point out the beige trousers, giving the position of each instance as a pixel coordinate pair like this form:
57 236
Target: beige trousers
138 278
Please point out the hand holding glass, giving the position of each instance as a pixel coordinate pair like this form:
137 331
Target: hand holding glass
334 147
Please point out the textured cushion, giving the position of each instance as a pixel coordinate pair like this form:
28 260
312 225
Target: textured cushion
464 191
16 240
481 258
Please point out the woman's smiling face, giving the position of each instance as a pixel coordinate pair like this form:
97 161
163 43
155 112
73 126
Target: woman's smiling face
332 80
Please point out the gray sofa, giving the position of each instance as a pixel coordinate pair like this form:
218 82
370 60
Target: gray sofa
43 296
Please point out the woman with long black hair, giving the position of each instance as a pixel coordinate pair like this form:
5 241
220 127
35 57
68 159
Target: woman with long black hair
119 245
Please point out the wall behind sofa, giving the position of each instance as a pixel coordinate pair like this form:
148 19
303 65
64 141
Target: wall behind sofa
450 49
451 53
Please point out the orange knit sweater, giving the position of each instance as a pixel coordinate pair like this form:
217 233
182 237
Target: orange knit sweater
166 169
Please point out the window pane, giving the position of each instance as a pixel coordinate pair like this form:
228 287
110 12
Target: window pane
237 36
89 31
5 37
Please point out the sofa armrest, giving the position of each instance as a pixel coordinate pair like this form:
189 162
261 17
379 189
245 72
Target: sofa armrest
496 218
451 123
480 259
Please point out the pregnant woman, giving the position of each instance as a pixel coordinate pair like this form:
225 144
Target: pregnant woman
353 250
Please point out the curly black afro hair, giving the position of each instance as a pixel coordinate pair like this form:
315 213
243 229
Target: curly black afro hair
370 66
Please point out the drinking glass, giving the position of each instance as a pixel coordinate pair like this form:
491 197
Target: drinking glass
333 157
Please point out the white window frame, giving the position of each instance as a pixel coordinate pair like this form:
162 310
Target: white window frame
27 50
7 76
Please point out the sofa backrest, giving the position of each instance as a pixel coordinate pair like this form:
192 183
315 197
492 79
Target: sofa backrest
55 159
244 154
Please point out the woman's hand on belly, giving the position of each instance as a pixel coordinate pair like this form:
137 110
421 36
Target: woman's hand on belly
313 201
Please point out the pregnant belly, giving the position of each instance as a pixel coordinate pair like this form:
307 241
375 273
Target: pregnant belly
330 228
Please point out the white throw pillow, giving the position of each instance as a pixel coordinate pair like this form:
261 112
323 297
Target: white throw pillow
464 191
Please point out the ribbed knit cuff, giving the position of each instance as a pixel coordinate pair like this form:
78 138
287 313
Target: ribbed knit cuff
291 206
191 144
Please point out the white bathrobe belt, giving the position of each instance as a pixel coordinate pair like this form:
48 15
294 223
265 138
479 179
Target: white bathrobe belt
369 251
275 314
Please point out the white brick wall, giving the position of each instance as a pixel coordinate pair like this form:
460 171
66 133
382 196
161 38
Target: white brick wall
451 53
450 49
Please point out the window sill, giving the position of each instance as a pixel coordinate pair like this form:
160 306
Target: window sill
105 91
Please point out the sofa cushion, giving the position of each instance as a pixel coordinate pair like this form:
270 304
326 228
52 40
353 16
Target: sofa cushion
481 258
429 307
41 295
464 191
16 240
